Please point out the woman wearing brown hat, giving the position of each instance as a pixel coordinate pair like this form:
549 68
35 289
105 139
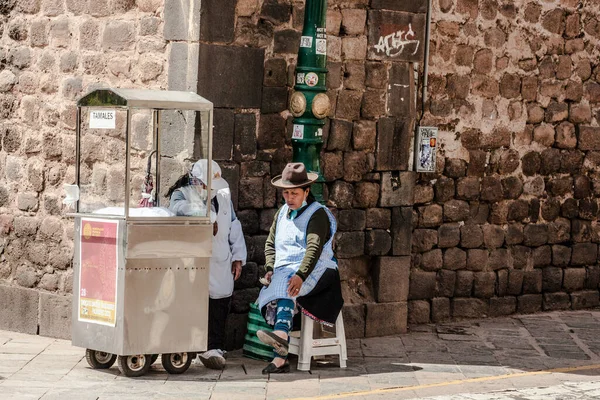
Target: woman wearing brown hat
301 267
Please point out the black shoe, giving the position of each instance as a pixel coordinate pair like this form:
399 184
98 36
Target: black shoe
272 369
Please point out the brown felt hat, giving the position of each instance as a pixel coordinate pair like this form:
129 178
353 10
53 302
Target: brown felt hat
294 175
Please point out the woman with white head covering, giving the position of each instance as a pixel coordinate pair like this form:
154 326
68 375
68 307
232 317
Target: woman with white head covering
188 197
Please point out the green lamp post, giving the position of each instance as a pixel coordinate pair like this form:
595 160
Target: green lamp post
309 103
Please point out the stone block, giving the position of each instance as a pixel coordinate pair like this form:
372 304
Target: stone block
271 132
351 220
275 73
493 236
585 299
245 137
397 190
464 284
341 195
223 134
430 260
401 92
515 282
532 281
471 236
477 259
500 306
176 16
378 218
419 6
55 316
469 308
552 279
217 21
574 279
241 299
556 301
220 64
535 235
446 281
559 231
440 309
584 254
248 278
384 26
236 327
287 41
385 319
354 320
341 133
20 309
249 196
423 240
348 105
455 259
418 312
468 188
430 216
449 235
349 244
422 285
502 282
484 284
444 189
581 231
589 138
514 234
391 279
456 210
542 256
393 144
592 277
529 303
378 242
402 239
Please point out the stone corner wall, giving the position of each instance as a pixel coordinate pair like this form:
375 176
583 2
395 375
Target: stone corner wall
509 222
51 53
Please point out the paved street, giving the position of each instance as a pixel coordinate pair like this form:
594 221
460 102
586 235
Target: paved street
544 356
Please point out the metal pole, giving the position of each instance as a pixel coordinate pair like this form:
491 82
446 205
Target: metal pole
309 103
78 154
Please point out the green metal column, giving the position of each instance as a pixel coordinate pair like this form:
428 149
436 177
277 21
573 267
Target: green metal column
309 103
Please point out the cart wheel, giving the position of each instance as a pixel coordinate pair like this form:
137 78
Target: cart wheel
99 359
177 363
153 359
134 366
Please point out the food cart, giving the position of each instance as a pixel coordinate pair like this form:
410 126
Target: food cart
140 279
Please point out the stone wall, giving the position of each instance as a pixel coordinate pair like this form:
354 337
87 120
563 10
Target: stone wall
509 221
51 53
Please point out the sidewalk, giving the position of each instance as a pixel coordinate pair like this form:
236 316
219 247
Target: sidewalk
544 356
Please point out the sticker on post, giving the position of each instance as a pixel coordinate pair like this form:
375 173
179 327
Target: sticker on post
306 41
298 132
321 47
319 132
103 119
300 78
311 79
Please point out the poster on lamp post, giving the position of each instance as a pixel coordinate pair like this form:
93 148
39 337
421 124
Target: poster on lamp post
98 271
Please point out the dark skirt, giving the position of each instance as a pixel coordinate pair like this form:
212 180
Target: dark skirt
325 301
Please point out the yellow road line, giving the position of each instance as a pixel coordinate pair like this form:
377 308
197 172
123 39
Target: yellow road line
449 383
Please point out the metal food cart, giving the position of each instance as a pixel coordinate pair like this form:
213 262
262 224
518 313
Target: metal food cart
140 279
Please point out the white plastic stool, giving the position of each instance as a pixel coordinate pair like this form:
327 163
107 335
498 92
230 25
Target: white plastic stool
305 345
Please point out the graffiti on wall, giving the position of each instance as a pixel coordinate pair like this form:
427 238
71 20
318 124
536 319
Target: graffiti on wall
401 41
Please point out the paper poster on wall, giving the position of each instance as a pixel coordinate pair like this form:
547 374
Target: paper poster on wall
98 271
103 119
426 148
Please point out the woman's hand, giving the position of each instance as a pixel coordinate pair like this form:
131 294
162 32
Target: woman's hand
215 229
268 276
294 285
236 269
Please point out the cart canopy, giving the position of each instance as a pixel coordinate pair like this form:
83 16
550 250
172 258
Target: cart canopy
145 98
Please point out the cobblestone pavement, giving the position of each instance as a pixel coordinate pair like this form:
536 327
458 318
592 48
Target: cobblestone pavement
543 356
